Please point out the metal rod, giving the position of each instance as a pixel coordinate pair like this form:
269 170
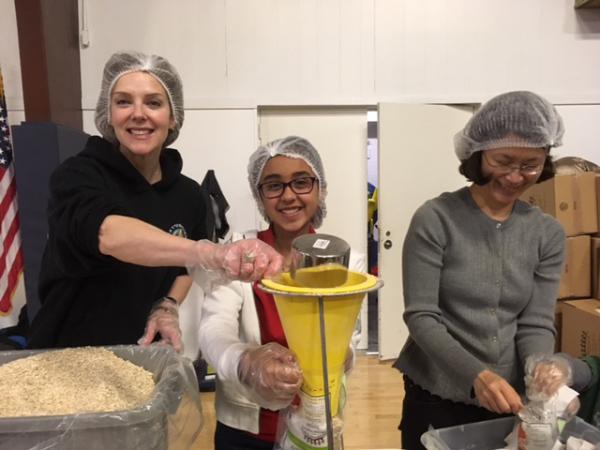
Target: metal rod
325 375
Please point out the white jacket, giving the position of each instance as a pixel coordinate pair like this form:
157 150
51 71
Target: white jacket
228 325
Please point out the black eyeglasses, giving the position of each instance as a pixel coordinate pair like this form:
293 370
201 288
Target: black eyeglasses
506 168
275 189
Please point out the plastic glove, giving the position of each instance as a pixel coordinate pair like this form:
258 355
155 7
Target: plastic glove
272 374
496 394
544 375
246 260
163 319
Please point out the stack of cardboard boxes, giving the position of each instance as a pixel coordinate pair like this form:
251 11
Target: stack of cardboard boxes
574 200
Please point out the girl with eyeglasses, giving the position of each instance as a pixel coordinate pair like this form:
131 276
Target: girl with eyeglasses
481 270
241 334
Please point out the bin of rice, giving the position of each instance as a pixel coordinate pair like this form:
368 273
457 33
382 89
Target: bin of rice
490 435
98 398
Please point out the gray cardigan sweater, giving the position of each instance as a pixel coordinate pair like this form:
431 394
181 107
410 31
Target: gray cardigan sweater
478 294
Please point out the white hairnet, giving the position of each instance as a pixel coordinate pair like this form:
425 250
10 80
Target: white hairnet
122 63
292 147
512 119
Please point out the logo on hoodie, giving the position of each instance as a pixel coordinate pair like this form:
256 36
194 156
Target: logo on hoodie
178 230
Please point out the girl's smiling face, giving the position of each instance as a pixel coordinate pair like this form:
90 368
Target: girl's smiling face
291 212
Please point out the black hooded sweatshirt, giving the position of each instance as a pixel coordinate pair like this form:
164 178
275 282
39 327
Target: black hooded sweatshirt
89 298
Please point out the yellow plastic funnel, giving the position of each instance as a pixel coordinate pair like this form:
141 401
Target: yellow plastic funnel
298 308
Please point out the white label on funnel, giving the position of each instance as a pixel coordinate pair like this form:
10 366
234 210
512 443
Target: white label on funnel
321 244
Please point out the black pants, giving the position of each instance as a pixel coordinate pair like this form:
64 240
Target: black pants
227 438
422 409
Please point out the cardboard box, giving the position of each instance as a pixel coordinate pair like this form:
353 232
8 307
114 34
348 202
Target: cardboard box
595 254
598 201
581 327
558 314
571 199
587 3
576 278
586 186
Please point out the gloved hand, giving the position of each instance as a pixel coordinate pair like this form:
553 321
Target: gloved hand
246 260
272 374
496 394
544 375
163 319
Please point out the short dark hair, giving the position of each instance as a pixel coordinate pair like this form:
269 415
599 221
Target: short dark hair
471 169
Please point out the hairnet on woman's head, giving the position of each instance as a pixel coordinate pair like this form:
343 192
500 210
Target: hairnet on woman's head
512 119
123 63
292 147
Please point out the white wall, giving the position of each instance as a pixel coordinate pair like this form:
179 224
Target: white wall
242 53
582 131
354 51
372 152
10 61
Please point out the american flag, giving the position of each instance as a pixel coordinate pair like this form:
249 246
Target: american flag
11 258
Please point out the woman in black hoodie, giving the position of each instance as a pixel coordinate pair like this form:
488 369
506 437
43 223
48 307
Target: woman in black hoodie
124 222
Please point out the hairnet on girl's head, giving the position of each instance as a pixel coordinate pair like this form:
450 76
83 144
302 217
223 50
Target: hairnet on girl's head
292 147
512 119
123 63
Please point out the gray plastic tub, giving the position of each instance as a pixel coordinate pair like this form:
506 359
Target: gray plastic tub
490 434
171 419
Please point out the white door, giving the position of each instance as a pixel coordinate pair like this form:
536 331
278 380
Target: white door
340 136
416 163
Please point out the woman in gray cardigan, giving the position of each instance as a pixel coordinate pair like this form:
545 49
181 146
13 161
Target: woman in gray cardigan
481 271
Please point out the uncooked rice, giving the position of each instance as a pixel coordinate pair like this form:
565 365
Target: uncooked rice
72 381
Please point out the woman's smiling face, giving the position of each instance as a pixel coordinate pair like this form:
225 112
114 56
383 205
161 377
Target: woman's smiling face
140 114
511 170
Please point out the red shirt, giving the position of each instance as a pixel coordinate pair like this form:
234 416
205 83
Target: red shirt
271 330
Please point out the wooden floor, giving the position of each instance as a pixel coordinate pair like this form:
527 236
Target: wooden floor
372 414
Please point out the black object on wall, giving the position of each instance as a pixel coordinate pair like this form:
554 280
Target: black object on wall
39 147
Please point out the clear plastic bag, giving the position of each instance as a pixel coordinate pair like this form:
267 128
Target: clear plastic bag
543 415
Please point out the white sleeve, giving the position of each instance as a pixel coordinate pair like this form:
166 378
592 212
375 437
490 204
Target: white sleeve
358 261
219 330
